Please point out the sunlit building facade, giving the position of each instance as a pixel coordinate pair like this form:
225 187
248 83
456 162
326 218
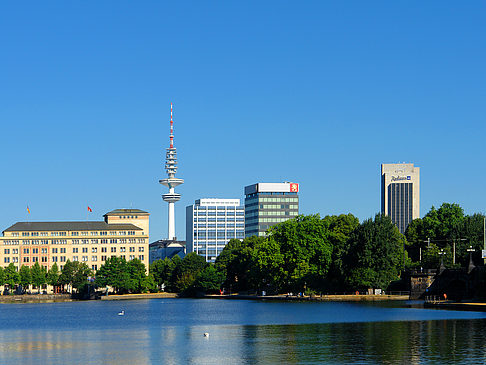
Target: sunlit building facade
211 223
267 204
400 193
122 233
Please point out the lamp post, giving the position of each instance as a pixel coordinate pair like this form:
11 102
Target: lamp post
454 249
442 267
471 264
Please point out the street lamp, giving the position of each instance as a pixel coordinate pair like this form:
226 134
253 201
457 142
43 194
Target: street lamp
441 253
471 264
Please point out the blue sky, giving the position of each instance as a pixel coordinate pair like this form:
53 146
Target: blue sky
319 93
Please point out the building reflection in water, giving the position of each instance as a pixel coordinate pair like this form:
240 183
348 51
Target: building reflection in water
414 342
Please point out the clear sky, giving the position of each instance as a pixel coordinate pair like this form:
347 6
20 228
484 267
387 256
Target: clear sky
320 93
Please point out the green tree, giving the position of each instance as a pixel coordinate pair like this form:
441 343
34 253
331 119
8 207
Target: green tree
25 277
53 275
340 228
114 273
2 277
235 262
266 270
67 274
306 249
38 275
81 272
209 280
175 273
162 272
190 267
136 272
376 255
12 277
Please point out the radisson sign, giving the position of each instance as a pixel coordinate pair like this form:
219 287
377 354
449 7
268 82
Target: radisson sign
400 178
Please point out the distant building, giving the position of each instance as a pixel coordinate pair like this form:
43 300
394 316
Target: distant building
267 204
400 193
211 223
162 249
123 233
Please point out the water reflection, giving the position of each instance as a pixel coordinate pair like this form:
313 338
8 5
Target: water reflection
171 332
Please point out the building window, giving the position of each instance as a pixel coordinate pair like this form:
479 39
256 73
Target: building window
94 249
103 258
132 249
94 258
75 250
54 258
75 258
26 259
6 260
113 249
94 267
85 258
103 249
85 249
63 249
140 257
44 259
141 249
6 251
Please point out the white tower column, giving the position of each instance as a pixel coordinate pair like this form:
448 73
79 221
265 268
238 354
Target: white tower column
171 181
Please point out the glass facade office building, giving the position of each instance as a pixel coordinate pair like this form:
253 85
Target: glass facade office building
211 223
400 198
267 204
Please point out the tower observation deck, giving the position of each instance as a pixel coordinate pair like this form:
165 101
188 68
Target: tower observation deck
171 181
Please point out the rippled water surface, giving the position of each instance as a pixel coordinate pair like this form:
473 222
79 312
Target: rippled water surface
170 331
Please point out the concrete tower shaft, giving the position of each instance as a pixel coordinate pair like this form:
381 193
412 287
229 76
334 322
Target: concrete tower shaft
171 181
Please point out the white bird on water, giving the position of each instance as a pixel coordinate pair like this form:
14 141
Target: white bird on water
122 313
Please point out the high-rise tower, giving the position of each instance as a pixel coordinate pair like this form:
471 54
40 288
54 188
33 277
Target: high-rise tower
171 181
400 193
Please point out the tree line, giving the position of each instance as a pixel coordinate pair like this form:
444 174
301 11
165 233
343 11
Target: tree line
332 254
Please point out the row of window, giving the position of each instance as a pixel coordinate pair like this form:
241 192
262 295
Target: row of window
27 251
257 213
224 214
44 259
202 234
75 242
227 208
213 225
83 233
210 219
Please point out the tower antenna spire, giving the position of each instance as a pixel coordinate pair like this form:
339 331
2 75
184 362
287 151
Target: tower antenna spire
171 181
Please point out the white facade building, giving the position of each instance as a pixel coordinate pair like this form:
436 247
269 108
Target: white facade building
211 223
400 193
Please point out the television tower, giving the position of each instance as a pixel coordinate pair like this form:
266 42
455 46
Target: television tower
171 181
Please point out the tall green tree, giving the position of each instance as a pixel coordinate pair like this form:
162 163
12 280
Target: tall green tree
266 268
209 280
340 228
114 273
38 275
190 267
25 277
12 277
376 255
53 275
67 274
137 274
2 276
235 262
162 272
306 249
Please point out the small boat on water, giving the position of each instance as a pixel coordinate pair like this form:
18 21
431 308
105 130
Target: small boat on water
122 313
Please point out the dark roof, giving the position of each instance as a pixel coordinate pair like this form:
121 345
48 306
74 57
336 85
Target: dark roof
126 211
70 226
167 243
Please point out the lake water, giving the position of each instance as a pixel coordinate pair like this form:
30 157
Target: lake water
170 331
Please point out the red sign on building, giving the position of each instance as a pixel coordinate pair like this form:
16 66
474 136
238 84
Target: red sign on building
294 188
